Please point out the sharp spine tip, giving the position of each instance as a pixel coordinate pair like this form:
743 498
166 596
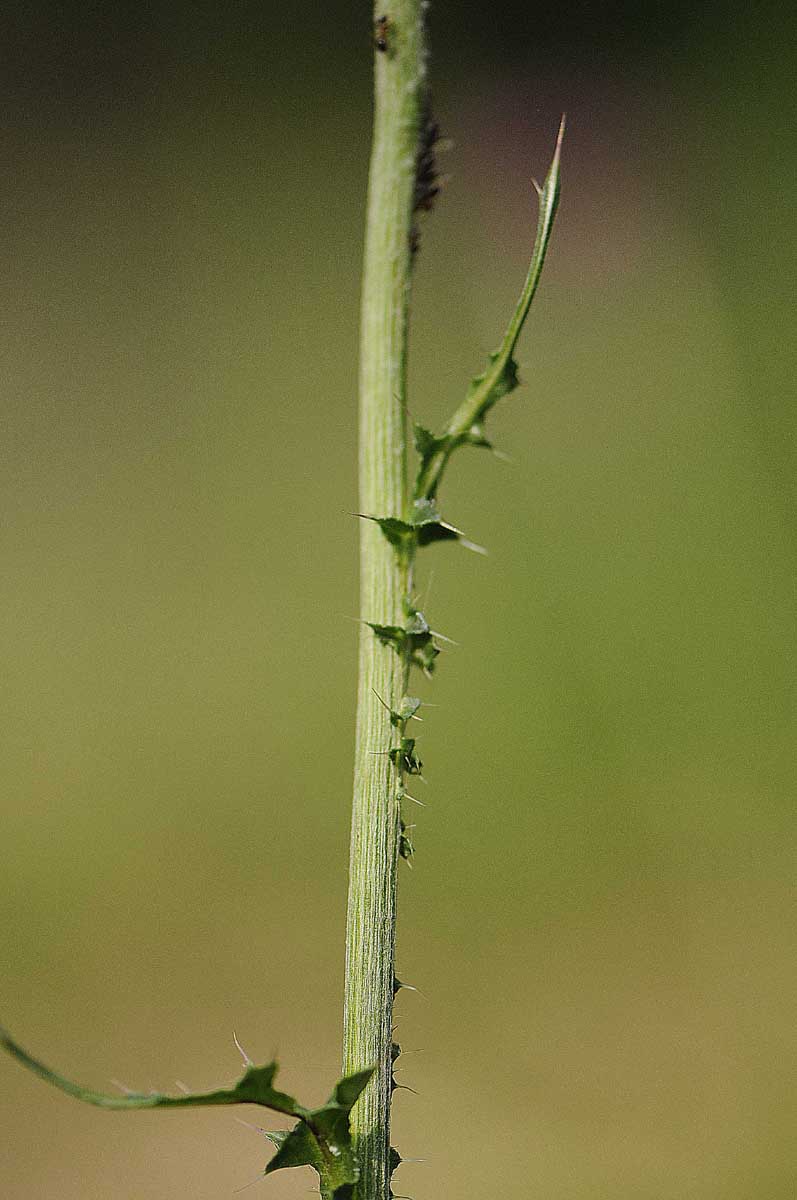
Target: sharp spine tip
247 1060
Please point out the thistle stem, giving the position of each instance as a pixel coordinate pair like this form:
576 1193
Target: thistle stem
400 62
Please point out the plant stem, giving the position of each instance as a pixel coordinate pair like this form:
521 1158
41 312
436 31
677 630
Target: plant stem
501 374
384 581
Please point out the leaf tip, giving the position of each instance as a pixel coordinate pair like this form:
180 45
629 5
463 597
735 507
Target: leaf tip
552 178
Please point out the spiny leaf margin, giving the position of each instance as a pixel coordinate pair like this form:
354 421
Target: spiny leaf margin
321 1139
415 639
424 527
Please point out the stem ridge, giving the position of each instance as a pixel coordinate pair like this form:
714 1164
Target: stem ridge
401 175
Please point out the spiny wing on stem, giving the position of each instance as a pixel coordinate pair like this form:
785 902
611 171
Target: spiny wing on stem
424 527
415 639
321 1138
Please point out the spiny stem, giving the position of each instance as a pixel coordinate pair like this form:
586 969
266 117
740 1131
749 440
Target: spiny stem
400 65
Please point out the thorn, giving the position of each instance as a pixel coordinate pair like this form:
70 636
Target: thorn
384 703
249 1125
441 636
404 1087
247 1060
428 590
407 796
123 1088
248 1185
476 548
178 1083
537 187
399 986
553 170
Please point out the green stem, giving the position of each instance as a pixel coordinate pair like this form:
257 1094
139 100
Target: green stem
384 580
500 376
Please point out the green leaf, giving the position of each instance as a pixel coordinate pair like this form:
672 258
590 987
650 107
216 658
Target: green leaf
390 635
425 527
398 533
406 848
277 1136
420 640
297 1148
466 426
416 638
429 526
404 757
254 1087
417 625
425 441
408 707
321 1139
424 512
437 532
424 656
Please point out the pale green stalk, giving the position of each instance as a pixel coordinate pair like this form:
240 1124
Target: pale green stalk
384 583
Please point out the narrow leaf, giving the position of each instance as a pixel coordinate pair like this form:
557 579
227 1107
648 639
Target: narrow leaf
254 1087
500 377
321 1139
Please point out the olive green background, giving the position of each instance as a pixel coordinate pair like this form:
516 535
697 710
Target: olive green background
600 919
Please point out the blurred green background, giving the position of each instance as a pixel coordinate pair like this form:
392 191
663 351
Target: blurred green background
601 916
